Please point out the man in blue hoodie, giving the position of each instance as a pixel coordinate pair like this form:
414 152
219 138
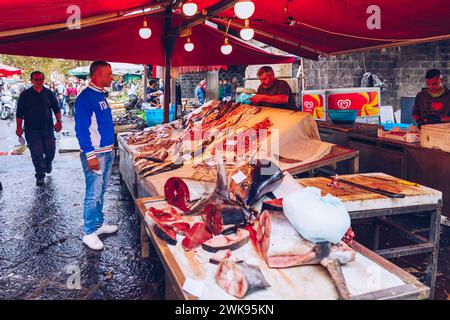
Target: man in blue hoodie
95 132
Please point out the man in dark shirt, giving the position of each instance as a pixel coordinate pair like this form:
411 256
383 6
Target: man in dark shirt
432 104
35 111
273 92
153 92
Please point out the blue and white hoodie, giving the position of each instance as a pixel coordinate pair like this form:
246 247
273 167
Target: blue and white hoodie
93 122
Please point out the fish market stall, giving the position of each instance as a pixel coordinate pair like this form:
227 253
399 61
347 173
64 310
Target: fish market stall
220 236
299 148
191 275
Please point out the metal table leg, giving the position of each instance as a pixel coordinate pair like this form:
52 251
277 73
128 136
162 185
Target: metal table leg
435 224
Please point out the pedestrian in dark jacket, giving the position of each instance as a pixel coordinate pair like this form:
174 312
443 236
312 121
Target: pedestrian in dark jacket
34 115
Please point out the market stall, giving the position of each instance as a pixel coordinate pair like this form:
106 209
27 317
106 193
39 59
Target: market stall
297 148
299 127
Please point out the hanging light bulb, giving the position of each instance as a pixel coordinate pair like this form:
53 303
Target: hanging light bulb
189 8
244 9
188 46
247 33
145 32
226 48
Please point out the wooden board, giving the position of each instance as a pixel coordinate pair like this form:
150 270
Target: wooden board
346 193
436 136
303 282
356 199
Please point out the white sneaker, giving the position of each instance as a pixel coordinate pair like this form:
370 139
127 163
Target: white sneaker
106 228
92 241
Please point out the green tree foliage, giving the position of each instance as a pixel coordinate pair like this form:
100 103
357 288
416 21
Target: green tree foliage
46 65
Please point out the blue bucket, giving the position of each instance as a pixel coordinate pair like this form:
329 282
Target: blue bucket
156 116
343 116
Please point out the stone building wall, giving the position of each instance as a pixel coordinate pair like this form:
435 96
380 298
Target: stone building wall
401 69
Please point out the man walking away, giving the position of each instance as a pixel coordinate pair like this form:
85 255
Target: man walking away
95 132
34 111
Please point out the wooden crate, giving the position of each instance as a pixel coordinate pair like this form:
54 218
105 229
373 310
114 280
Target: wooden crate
410 137
436 136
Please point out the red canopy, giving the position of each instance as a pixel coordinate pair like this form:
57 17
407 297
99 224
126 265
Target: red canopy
337 26
6 71
120 42
307 28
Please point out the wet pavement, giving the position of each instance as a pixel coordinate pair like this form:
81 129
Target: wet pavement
41 252
42 256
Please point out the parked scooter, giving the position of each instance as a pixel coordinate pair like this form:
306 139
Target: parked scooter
7 105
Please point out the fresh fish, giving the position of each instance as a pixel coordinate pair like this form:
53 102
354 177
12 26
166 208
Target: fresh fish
160 169
179 192
227 242
251 182
220 256
282 247
239 278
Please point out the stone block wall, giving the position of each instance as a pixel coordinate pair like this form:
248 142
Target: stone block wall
401 69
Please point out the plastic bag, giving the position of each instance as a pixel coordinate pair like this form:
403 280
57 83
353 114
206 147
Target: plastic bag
316 218
244 98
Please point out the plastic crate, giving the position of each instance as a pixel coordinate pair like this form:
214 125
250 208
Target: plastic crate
156 116
390 125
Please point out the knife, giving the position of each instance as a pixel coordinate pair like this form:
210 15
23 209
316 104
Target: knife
375 190
398 181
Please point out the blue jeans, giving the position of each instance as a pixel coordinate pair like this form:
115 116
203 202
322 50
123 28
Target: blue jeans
95 191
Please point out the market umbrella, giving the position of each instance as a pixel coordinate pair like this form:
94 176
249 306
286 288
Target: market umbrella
6 71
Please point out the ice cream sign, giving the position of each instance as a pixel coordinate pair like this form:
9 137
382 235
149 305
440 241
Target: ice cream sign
344 104
314 104
366 102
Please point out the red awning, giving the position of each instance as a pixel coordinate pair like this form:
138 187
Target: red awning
305 28
6 71
119 41
335 26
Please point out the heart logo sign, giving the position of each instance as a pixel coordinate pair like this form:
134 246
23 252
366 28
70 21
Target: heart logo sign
344 104
309 105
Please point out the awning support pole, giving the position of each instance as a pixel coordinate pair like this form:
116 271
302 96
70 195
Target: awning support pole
168 51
